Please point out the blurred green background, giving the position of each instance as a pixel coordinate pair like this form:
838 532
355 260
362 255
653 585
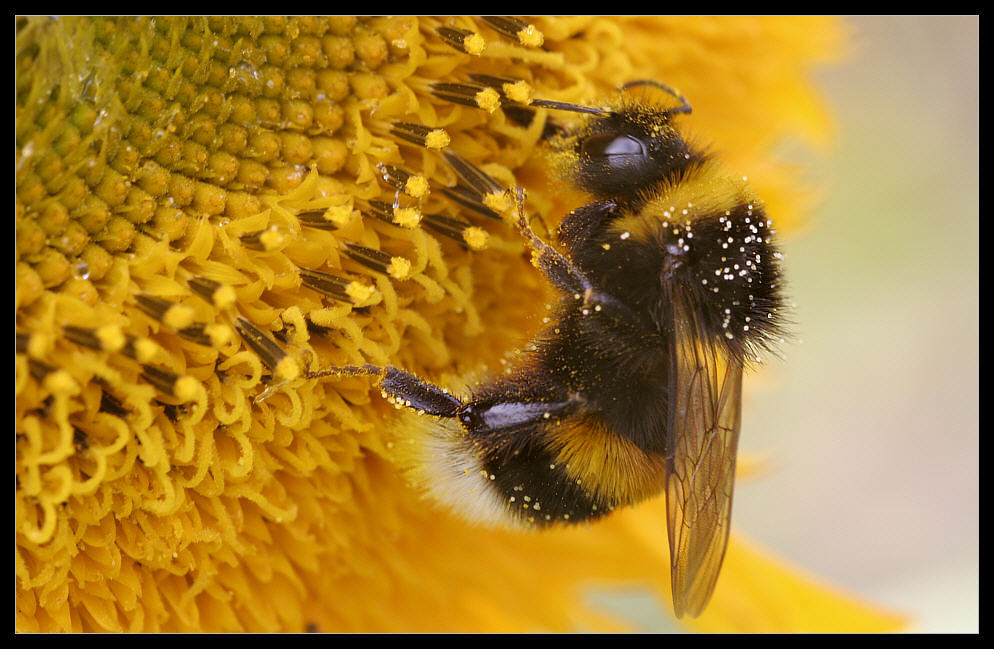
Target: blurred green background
870 424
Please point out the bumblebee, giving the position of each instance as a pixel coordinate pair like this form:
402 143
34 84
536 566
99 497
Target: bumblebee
669 284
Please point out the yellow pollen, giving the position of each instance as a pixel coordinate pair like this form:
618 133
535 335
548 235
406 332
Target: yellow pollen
146 350
488 99
496 202
340 215
416 186
224 297
178 316
531 37
437 139
111 337
287 369
360 293
518 91
219 334
408 217
272 239
186 388
474 44
475 237
399 268
60 382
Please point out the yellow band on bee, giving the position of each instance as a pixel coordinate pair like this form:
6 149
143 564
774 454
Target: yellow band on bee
605 463
705 190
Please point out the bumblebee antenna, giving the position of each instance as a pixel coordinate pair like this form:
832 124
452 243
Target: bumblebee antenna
684 106
562 105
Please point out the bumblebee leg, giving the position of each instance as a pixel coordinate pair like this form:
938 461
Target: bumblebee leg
404 388
556 266
580 224
515 415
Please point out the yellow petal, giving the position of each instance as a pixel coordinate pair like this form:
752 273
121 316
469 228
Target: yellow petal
758 593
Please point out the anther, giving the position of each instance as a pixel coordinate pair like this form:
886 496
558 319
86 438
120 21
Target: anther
169 313
516 29
414 185
381 262
339 288
421 135
472 95
464 40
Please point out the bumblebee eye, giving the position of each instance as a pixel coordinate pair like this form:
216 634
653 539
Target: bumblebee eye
617 149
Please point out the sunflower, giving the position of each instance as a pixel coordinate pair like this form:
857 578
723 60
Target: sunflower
208 208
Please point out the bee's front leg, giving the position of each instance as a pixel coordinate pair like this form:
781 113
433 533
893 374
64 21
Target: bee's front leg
557 267
406 389
580 224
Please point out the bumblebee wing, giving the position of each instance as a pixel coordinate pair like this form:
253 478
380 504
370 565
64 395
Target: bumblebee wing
705 418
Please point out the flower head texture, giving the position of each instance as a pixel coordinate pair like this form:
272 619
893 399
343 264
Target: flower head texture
208 208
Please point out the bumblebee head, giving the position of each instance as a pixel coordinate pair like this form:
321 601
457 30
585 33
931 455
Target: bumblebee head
623 150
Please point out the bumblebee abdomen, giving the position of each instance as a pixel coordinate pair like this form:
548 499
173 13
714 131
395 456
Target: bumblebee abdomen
536 485
569 471
508 478
564 471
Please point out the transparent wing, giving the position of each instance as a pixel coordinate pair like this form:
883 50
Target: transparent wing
703 435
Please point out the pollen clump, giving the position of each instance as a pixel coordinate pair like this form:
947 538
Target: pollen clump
474 44
488 99
187 190
437 139
408 217
531 37
476 238
359 293
111 337
416 187
518 91
497 202
399 268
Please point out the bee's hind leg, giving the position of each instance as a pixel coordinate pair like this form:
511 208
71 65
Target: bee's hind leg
404 388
